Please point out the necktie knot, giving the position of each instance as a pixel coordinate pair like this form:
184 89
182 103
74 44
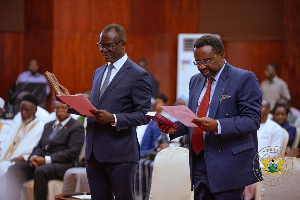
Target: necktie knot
55 131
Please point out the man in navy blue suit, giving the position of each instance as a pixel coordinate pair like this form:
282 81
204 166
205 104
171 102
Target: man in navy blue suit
227 101
121 94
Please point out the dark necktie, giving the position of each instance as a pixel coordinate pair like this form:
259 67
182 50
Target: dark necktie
197 137
106 81
55 131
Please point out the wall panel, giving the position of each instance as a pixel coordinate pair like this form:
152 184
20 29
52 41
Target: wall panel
11 60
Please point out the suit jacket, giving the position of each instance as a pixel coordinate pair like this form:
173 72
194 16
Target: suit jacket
64 148
148 142
128 96
236 103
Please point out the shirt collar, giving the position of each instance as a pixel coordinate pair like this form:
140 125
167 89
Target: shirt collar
119 63
217 76
63 123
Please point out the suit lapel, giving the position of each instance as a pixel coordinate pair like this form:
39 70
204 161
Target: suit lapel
219 90
197 91
117 78
48 131
63 130
96 88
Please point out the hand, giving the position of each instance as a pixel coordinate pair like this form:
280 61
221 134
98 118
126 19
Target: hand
165 129
36 161
206 124
103 117
17 159
163 146
64 90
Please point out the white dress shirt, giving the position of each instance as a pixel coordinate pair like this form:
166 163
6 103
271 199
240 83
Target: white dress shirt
117 66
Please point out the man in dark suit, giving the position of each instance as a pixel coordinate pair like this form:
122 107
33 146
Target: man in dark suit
121 94
227 101
57 151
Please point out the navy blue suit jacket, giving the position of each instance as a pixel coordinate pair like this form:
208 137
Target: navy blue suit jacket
229 157
128 96
148 142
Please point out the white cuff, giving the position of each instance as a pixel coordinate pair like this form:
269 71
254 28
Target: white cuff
48 160
219 128
114 124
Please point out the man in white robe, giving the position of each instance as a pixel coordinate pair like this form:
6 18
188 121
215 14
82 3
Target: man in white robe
23 136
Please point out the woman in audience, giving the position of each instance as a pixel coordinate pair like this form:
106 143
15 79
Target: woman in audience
280 114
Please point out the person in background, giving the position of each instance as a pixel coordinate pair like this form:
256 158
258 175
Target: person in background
147 135
274 87
154 83
280 113
269 134
287 103
57 150
4 125
22 137
33 76
223 146
41 113
161 100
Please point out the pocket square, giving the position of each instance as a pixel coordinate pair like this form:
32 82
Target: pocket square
224 96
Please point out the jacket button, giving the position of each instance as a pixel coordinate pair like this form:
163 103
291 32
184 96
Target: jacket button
219 150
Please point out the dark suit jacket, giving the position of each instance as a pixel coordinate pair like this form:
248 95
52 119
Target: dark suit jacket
229 157
148 142
128 96
64 148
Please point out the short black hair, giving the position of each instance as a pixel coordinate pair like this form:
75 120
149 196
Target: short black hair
281 105
161 96
118 28
275 67
211 40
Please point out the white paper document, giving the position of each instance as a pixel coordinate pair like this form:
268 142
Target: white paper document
182 114
78 102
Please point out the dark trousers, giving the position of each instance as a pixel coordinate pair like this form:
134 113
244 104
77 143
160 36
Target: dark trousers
201 184
107 180
19 173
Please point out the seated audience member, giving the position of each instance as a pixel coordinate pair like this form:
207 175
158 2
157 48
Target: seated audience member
33 76
287 103
41 113
280 114
4 125
147 140
57 151
274 87
22 137
269 134
161 100
147 134
154 83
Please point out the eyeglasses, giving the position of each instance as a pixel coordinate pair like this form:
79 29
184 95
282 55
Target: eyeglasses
108 47
204 61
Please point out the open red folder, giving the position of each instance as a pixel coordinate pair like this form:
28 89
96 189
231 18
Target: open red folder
78 102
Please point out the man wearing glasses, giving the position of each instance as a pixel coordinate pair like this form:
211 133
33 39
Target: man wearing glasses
121 94
223 146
